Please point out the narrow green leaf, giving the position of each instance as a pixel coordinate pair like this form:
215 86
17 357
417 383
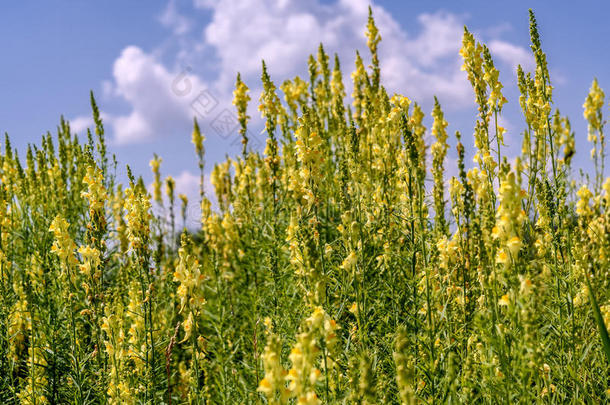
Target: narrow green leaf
603 332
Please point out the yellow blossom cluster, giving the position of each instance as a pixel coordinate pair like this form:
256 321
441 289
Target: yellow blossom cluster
510 217
485 282
96 192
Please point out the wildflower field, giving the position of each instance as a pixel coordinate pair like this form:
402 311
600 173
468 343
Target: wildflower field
341 265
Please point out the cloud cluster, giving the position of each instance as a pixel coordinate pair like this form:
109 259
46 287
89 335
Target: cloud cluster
172 19
163 89
238 34
512 55
282 32
155 95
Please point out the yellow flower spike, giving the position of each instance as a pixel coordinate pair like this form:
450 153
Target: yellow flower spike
91 260
170 185
593 104
439 152
582 206
401 102
96 192
63 246
197 138
155 165
138 218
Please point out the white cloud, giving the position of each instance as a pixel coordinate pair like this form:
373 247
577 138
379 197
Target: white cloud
240 33
187 183
283 32
497 30
156 95
441 37
172 19
512 55
80 124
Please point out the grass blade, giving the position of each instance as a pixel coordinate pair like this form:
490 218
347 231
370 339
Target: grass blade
603 332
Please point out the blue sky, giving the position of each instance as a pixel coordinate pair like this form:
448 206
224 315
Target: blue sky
155 64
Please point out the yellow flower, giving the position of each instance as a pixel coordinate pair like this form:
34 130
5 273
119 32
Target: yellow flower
514 245
526 285
265 387
96 192
350 261
63 246
582 206
308 399
138 218
188 327
502 257
316 317
328 250
593 104
91 259
314 375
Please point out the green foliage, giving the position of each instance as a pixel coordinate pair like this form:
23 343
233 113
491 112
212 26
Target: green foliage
329 271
